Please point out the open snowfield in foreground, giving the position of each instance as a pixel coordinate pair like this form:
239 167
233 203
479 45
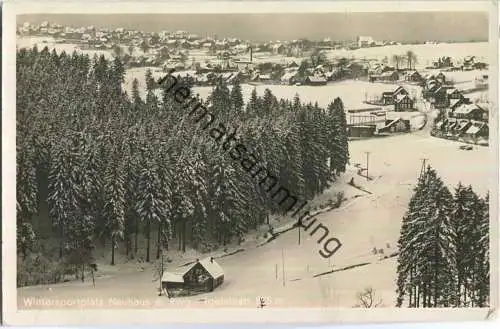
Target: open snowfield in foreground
361 223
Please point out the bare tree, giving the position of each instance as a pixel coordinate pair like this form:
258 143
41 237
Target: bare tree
411 58
396 60
368 299
318 57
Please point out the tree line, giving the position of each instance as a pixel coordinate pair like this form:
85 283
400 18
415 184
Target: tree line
95 164
444 247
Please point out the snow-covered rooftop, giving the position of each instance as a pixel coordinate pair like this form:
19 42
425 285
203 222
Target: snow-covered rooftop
172 277
210 265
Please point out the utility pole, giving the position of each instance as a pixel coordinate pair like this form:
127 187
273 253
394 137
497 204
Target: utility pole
283 265
367 159
298 228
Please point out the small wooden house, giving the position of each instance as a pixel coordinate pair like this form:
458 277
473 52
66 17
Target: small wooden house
439 98
403 102
395 126
400 91
389 76
455 103
477 130
261 77
201 276
389 97
454 93
315 81
480 66
289 78
413 76
355 70
461 127
469 111
361 130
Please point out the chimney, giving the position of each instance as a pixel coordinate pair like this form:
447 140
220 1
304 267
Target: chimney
197 260
251 53
211 259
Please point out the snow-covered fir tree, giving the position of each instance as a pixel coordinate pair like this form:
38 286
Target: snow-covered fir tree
442 260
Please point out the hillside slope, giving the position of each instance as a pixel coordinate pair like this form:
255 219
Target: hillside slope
361 224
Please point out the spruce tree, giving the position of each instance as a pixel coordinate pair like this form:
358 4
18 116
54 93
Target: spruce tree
339 140
443 246
426 264
237 97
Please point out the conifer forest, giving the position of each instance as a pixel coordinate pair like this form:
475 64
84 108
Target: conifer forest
444 247
96 165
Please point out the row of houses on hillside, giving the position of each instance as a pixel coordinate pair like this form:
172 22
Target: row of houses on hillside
465 130
451 100
384 73
120 35
106 38
370 129
274 73
468 63
438 92
365 41
460 118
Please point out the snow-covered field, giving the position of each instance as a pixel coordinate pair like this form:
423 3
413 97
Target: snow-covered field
362 223
42 42
426 54
353 93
